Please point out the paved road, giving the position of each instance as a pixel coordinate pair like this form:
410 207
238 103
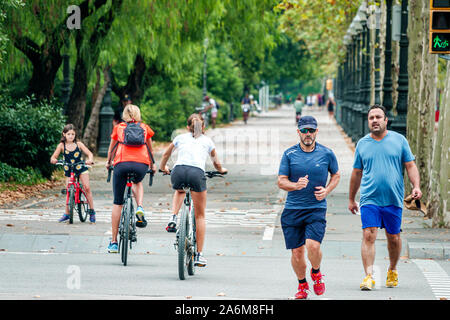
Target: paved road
42 259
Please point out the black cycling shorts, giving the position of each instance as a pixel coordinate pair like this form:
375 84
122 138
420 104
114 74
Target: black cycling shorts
188 176
120 177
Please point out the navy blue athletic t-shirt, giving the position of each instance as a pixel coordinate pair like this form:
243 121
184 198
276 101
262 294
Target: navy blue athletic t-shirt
297 163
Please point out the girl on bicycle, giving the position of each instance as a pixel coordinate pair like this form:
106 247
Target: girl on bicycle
193 149
128 159
72 149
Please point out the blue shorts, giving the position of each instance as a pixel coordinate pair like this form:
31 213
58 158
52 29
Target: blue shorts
301 224
389 218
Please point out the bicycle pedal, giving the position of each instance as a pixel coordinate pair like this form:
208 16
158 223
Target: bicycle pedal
171 229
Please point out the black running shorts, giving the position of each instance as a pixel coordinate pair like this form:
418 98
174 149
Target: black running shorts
188 176
120 177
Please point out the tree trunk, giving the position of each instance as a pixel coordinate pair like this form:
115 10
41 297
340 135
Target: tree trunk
438 206
382 44
415 51
42 81
76 106
91 131
77 102
134 82
426 107
46 60
395 68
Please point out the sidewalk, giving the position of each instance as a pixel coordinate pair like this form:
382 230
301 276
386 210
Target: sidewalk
420 241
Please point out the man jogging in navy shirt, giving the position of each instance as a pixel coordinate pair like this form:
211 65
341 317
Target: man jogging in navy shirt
380 157
303 173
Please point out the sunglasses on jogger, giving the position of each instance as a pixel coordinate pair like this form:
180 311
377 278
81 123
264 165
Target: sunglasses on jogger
306 130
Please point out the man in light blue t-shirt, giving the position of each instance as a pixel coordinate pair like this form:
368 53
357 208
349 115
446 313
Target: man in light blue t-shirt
380 157
303 172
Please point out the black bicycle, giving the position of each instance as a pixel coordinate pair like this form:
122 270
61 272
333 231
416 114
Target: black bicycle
127 225
186 240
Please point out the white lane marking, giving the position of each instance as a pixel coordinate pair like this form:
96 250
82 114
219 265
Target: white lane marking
268 231
436 277
34 253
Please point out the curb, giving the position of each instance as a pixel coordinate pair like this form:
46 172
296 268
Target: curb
428 250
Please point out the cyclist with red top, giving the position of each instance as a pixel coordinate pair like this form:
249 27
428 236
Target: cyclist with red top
128 159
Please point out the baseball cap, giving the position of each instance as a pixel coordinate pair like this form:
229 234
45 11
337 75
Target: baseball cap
307 122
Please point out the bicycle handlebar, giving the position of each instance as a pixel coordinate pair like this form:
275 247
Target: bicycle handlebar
109 173
62 163
209 174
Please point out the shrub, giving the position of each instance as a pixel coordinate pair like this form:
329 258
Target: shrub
23 176
29 133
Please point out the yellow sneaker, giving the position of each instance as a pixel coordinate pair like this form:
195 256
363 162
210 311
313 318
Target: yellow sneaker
368 283
392 279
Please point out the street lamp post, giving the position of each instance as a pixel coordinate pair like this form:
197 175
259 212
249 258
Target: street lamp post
352 92
346 83
349 79
398 123
387 81
377 97
365 94
354 132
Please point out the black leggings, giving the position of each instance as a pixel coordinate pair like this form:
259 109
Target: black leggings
120 177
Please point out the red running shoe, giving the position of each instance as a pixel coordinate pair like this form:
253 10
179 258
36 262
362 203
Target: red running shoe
302 288
319 285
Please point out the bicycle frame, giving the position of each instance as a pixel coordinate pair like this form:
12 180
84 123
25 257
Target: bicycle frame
75 182
190 215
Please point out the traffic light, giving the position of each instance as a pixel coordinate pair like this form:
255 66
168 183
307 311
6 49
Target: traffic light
329 84
440 26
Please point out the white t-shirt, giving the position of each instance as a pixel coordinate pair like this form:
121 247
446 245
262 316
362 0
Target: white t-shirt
213 102
193 151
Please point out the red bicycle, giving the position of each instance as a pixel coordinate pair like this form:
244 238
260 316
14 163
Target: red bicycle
75 194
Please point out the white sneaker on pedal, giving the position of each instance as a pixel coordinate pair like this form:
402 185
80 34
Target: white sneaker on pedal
199 260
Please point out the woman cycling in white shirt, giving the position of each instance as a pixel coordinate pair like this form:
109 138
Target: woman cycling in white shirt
193 149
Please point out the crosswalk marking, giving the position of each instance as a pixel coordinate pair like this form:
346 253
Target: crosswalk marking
250 218
436 277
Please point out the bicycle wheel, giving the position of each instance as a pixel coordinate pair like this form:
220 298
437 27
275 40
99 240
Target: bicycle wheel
82 206
125 235
183 243
71 203
193 245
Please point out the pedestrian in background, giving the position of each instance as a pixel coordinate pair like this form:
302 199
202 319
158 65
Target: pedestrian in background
330 107
303 173
117 118
380 157
298 105
245 105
